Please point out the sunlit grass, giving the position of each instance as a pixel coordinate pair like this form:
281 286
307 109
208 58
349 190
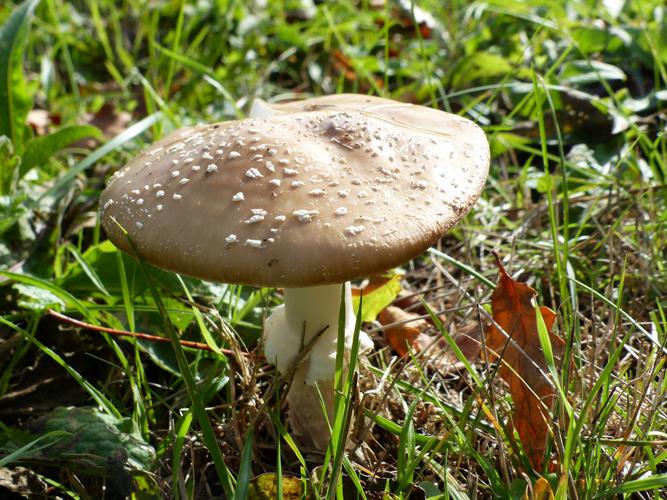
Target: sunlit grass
572 98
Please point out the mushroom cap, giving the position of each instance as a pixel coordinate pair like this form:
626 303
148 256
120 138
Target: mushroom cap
327 190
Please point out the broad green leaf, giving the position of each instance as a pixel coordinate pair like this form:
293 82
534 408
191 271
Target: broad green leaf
291 35
591 39
92 275
586 72
39 149
11 210
13 452
102 438
15 99
101 260
38 299
479 66
9 161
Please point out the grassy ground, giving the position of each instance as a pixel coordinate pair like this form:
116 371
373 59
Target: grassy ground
572 97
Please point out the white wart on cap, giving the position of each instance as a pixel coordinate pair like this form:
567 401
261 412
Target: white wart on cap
327 191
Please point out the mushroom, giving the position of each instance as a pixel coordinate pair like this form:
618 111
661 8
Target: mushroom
306 196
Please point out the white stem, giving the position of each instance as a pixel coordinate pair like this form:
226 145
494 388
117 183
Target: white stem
260 109
305 313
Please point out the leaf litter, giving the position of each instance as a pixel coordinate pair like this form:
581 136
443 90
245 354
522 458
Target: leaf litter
513 340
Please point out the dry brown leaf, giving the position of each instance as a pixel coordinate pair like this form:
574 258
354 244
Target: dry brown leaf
403 335
343 64
109 120
410 333
532 393
374 282
410 301
40 120
468 339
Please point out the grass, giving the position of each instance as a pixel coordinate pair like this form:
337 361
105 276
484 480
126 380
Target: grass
572 98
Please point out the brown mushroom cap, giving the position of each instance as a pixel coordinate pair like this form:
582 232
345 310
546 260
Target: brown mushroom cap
328 190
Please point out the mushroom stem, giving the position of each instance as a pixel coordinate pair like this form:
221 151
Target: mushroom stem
260 109
309 310
306 312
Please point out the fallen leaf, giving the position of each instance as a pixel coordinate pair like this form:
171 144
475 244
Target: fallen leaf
109 120
468 339
541 491
406 334
379 292
523 364
19 482
343 64
40 120
265 487
410 333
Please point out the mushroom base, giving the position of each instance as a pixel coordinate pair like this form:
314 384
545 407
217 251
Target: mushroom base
304 410
305 313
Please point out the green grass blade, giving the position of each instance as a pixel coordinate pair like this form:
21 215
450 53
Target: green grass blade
208 338
282 432
245 469
71 302
209 76
182 429
125 136
128 303
208 435
33 447
343 404
464 267
279 471
39 150
97 396
406 449
636 485
547 349
89 271
14 99
622 312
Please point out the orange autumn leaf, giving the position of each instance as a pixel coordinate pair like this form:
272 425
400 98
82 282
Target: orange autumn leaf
405 334
409 333
375 282
541 491
343 64
524 366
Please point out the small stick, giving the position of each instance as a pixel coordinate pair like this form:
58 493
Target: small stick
145 336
